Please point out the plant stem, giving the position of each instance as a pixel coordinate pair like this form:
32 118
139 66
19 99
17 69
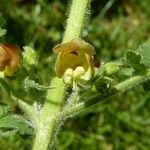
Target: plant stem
47 123
125 85
47 118
75 21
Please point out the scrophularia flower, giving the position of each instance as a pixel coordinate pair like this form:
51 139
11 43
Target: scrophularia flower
75 61
9 59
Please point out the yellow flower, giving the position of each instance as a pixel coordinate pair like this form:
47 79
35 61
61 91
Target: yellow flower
75 60
9 59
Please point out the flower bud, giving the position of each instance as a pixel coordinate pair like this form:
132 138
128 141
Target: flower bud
30 56
9 59
112 68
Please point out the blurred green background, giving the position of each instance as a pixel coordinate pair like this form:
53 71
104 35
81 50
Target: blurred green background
112 27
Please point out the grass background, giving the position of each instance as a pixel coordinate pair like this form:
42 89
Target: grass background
123 123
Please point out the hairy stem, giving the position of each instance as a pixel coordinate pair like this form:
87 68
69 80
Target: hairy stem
75 21
47 122
47 117
125 85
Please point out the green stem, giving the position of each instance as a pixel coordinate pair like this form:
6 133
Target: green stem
47 123
125 85
75 21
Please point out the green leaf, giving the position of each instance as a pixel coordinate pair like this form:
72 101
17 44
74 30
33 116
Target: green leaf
134 60
4 110
144 51
15 123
